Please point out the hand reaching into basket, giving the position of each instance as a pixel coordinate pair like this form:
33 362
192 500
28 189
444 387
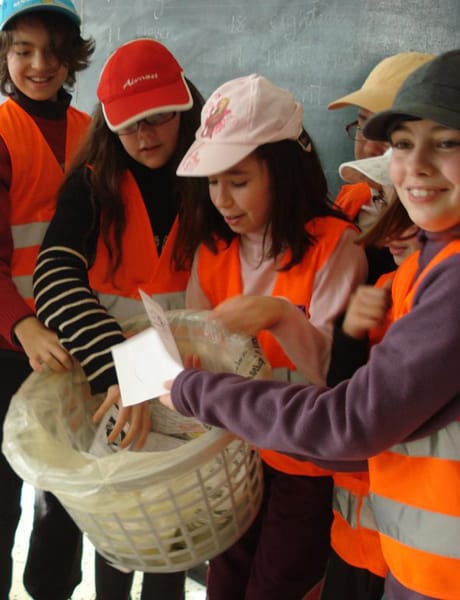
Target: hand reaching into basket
165 399
42 346
191 361
138 418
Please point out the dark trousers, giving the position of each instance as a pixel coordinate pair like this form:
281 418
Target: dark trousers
284 552
52 570
53 567
112 584
346 582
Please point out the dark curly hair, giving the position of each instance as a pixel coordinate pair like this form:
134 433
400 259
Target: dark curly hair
66 44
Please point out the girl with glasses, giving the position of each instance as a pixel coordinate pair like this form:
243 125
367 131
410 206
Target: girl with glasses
118 229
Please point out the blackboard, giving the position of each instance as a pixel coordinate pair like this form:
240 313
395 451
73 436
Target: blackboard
318 49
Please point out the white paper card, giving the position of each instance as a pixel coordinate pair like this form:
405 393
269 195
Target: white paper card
159 321
146 360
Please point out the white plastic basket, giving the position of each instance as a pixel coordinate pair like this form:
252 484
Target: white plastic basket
146 511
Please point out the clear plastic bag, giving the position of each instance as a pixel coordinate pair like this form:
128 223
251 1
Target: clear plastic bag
148 511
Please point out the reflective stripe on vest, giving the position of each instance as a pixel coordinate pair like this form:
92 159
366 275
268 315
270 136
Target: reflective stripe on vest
415 486
123 308
34 184
23 284
441 444
26 241
30 234
354 535
424 530
141 267
296 284
357 511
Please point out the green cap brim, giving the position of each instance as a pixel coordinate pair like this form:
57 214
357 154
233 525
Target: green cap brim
379 126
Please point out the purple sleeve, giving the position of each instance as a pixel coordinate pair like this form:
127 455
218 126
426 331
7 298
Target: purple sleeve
409 388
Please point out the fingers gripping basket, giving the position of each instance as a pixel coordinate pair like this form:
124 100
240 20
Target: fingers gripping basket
146 511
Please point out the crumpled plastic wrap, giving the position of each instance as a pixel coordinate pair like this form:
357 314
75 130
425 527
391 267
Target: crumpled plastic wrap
148 511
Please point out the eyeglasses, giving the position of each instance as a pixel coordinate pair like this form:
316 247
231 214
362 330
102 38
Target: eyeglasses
354 131
379 201
151 121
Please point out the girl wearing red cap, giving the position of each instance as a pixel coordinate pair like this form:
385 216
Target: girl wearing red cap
118 229
41 52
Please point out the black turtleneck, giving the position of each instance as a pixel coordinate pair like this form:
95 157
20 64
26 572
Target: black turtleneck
77 218
157 189
50 116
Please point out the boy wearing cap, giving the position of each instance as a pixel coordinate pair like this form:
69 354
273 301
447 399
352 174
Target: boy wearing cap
116 230
41 52
361 201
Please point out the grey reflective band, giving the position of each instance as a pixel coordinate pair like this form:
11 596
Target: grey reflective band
122 308
24 285
346 504
424 530
442 444
171 300
366 515
28 235
286 375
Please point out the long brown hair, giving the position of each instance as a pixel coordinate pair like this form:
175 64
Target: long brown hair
66 44
103 152
299 193
390 225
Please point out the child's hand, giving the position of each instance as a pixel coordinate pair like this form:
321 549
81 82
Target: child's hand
138 416
165 399
191 361
42 346
248 315
367 309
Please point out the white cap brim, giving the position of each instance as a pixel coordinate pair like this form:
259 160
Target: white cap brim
374 170
209 158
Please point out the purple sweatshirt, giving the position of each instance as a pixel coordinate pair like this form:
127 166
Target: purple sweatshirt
409 388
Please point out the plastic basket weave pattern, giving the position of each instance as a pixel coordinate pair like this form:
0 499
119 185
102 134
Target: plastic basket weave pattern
146 511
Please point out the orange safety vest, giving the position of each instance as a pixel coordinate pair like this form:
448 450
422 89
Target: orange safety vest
35 180
415 485
354 534
220 278
141 266
352 197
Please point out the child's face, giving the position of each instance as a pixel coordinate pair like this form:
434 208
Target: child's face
32 66
242 195
365 148
425 169
405 245
152 146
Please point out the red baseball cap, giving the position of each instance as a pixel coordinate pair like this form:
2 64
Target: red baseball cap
141 78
